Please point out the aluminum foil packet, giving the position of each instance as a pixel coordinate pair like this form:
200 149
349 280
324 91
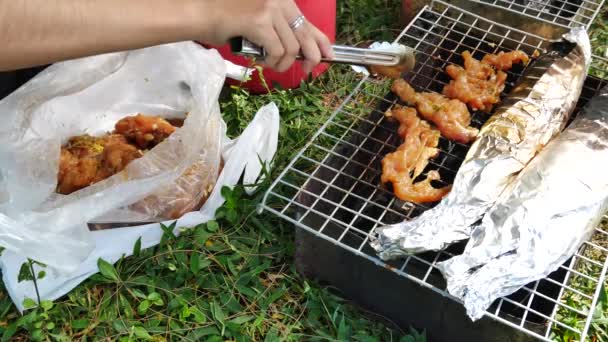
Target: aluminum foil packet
543 217
535 110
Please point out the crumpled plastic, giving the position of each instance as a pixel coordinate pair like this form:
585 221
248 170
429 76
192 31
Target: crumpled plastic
89 95
541 220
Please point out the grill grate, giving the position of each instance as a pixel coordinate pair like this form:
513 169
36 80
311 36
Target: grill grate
332 187
565 13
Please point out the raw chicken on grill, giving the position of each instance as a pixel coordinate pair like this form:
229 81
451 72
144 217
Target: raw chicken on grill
534 112
504 61
478 84
402 167
451 117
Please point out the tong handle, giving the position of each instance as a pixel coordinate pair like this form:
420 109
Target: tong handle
342 54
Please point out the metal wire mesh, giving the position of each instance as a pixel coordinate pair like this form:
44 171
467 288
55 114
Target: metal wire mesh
565 13
332 187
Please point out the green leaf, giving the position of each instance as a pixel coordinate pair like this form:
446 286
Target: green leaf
419 337
213 226
9 332
226 192
185 313
202 236
120 326
154 296
199 316
343 331
29 303
196 334
141 332
80 324
41 275
156 299
137 293
195 263
272 335
25 273
143 307
274 296
217 313
366 338
137 247
171 267
242 319
232 215
50 326
107 270
36 335
46 305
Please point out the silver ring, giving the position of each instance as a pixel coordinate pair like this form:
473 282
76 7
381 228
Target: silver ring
297 22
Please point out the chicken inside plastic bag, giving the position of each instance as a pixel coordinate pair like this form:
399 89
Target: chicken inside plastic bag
89 96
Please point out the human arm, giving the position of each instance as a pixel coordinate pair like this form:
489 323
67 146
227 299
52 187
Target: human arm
37 32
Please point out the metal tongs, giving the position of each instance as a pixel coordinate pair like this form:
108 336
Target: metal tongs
399 56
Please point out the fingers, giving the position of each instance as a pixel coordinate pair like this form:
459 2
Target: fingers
324 44
271 43
291 46
306 37
271 29
310 49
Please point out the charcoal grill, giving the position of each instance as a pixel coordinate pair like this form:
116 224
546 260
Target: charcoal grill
331 190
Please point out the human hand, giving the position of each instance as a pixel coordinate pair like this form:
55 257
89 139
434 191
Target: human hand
266 23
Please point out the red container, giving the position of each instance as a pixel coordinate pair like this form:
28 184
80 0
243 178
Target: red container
322 14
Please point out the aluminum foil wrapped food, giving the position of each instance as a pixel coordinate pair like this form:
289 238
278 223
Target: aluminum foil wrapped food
535 110
542 218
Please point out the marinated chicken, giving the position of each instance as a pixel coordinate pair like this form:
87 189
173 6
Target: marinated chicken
145 131
504 60
86 160
402 167
451 116
388 71
480 83
116 154
75 172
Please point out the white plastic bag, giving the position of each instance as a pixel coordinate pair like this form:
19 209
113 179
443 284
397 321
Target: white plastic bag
88 96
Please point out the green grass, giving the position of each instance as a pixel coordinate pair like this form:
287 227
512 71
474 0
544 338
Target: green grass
232 279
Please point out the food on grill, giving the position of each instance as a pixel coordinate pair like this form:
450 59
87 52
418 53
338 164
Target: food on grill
532 114
388 71
542 219
405 165
451 117
504 60
144 131
86 160
479 84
